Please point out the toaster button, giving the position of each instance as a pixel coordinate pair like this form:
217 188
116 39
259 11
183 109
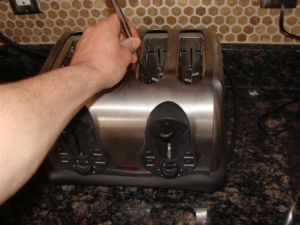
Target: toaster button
149 153
169 171
98 159
84 168
149 160
59 149
188 153
96 150
63 157
188 161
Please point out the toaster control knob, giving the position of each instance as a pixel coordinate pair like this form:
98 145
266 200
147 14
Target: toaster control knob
166 131
170 171
84 168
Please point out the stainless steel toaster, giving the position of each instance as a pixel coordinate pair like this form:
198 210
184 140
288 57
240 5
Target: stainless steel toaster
161 126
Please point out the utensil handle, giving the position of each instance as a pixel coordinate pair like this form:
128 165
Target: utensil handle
122 18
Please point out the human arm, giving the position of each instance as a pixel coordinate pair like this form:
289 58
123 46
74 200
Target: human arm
33 112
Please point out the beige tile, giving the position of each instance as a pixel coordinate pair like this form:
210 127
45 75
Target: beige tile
253 38
230 20
224 29
236 29
84 13
183 20
229 38
207 20
219 20
152 11
159 20
244 2
225 11
147 20
188 11
54 5
157 3
171 20
212 11
234 21
176 11
241 37
169 2
255 20
237 11
77 4
207 2
219 2
272 29
20 24
201 11
10 24
195 20
248 29
64 4
35 39
88 4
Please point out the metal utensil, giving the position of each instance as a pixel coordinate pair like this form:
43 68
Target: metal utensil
126 29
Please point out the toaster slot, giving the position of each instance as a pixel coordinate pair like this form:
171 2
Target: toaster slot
190 57
154 48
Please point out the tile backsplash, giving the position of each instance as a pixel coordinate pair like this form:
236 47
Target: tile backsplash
234 21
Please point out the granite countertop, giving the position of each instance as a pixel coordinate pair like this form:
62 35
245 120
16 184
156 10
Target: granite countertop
258 187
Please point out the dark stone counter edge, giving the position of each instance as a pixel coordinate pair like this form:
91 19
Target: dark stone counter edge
225 46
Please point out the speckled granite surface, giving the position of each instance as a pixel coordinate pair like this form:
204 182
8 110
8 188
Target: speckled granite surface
258 188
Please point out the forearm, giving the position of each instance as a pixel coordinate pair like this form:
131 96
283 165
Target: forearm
33 113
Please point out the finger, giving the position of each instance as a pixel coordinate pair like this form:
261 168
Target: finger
131 43
134 58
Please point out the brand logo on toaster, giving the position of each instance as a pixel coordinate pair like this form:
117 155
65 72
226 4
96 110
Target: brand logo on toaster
127 166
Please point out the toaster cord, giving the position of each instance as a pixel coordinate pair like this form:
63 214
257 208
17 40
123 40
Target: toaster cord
281 21
263 118
21 47
236 110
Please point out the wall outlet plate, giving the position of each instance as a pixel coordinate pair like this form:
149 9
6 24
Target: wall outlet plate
21 7
277 4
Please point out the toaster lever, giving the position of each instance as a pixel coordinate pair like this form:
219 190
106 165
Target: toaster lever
169 151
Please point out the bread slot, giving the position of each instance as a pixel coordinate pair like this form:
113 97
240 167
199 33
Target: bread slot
154 49
190 65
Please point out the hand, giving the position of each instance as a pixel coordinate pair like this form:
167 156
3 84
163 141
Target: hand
106 52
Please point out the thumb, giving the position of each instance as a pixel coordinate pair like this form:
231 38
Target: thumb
131 43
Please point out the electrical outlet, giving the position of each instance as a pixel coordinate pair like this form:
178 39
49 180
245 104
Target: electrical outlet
21 7
277 3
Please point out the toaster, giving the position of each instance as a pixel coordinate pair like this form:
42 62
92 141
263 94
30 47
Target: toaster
162 126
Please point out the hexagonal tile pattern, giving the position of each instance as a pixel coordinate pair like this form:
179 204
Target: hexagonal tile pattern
234 21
